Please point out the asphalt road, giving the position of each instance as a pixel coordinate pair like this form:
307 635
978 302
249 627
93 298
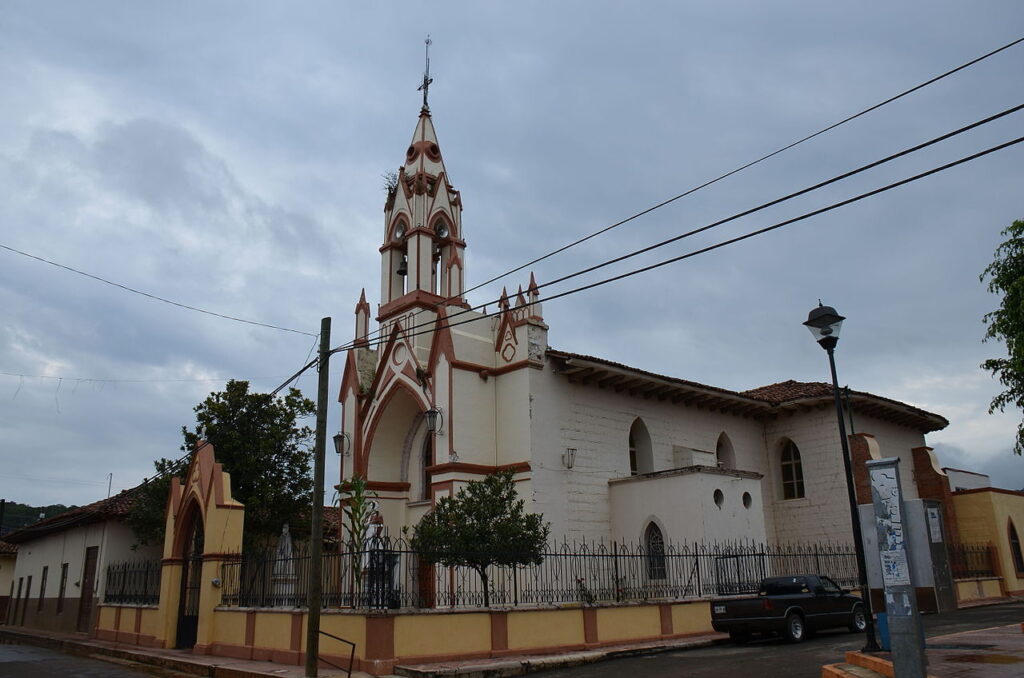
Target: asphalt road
24 661
771 657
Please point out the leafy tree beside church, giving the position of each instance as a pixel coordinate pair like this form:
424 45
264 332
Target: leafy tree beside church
1006 278
258 439
484 524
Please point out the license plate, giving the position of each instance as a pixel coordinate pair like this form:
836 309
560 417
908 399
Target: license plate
719 609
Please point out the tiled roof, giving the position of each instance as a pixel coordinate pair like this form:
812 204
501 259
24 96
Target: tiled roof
790 390
785 396
115 507
6 548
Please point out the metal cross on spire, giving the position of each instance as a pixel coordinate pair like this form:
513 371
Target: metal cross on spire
426 75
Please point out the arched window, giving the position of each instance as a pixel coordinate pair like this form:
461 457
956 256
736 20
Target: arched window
641 458
1015 552
654 543
792 472
724 453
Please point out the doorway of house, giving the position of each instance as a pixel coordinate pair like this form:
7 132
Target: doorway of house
191 581
88 584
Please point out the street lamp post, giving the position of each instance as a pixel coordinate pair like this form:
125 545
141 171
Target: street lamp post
824 324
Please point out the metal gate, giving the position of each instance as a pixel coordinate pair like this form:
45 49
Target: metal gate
191 583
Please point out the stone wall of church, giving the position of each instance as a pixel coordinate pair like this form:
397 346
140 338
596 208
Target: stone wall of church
823 513
596 422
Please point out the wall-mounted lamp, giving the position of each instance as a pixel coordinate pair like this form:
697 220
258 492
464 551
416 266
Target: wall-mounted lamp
454 457
342 443
569 457
216 582
435 420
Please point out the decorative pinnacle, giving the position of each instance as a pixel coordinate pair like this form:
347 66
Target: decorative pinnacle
425 87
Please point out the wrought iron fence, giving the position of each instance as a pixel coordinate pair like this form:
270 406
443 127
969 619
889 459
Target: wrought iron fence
133 583
392 575
970 561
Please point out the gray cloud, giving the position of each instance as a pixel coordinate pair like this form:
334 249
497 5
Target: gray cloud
232 160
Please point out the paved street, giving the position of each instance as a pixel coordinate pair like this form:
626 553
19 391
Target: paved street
772 657
23 661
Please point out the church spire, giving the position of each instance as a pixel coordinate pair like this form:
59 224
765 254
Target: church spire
423 254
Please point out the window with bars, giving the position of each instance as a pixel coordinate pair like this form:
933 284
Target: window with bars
63 586
1015 552
792 472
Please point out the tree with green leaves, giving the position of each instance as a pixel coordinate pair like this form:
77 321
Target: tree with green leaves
484 524
259 441
1006 278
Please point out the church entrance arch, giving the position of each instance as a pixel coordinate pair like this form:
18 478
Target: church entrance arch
191 582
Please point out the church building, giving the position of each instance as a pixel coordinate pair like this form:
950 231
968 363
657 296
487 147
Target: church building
441 394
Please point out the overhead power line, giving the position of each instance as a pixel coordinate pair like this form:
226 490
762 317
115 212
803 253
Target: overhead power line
807 215
153 296
83 380
782 149
741 214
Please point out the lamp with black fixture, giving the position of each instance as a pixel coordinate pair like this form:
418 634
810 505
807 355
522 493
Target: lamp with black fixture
435 420
569 457
824 323
342 443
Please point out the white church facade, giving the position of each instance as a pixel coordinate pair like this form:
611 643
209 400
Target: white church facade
605 451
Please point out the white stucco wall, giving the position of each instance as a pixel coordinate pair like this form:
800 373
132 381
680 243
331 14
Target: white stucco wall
114 539
964 480
683 505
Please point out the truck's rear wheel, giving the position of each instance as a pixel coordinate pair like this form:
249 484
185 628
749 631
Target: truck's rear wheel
794 631
859 621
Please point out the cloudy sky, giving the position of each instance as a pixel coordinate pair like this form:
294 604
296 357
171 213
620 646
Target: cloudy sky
229 156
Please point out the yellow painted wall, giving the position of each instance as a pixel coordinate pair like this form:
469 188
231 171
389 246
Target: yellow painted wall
351 627
273 630
983 517
624 623
106 618
691 618
229 627
442 634
151 622
545 628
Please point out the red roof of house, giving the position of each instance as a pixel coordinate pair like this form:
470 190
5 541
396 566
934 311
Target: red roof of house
116 507
6 548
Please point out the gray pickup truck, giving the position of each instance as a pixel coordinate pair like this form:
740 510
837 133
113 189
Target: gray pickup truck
793 606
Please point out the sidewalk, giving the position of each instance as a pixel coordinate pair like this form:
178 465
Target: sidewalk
170 663
993 652
179 663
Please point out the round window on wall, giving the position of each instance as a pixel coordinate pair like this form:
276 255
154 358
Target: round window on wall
747 500
719 498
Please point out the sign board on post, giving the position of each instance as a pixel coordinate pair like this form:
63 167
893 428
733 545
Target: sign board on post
905 631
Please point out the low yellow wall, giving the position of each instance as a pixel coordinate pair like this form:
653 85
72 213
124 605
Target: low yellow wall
420 635
545 628
984 516
628 623
691 618
273 629
384 639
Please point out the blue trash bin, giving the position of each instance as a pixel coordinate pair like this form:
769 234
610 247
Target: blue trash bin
882 624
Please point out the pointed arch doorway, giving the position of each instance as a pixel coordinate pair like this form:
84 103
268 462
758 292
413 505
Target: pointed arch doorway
191 583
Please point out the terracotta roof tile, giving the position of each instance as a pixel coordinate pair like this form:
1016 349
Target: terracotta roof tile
789 390
117 506
7 548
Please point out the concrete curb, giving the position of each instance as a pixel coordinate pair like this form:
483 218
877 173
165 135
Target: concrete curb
505 668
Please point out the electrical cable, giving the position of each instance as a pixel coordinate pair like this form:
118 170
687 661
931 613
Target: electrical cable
738 215
153 296
127 381
730 241
739 169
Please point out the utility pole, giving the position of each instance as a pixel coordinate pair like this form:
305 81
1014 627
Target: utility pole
316 537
